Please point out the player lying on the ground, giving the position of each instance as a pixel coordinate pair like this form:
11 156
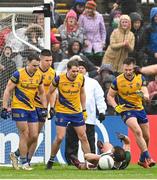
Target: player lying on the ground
121 156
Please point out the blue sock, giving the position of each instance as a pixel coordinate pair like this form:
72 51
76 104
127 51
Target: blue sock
17 152
144 155
28 159
23 160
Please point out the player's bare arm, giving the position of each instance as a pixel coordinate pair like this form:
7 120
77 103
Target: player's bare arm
111 97
51 90
152 69
7 93
42 95
52 98
145 93
92 158
126 145
83 98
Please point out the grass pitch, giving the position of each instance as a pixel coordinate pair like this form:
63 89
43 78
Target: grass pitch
71 172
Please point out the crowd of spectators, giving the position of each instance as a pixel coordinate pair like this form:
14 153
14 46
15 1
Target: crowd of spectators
103 46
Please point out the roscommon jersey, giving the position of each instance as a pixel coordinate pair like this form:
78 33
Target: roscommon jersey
26 88
68 100
48 77
127 91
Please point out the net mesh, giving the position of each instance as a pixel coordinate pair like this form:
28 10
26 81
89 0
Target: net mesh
14 49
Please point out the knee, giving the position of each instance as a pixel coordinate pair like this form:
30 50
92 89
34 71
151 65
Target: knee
59 139
34 137
82 137
147 137
138 132
24 133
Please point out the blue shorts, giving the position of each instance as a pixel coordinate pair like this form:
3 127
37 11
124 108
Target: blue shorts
63 119
24 115
40 118
140 115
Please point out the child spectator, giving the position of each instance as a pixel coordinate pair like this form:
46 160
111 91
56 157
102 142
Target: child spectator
70 29
93 24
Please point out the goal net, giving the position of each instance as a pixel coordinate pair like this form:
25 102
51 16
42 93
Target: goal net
20 34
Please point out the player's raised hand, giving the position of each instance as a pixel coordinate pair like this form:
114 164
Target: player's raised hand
120 136
119 108
5 113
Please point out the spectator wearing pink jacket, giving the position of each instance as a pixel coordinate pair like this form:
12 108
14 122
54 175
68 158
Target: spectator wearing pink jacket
94 28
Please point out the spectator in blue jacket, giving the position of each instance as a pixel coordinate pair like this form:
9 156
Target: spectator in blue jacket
151 37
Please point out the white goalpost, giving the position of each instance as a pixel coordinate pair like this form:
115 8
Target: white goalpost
16 27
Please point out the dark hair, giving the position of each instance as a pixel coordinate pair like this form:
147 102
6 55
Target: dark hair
33 56
72 63
129 60
84 64
70 45
118 154
8 47
46 52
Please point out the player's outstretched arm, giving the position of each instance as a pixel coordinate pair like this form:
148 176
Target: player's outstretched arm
125 139
148 70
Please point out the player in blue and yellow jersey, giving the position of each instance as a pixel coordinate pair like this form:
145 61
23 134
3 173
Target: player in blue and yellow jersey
130 90
48 75
25 83
69 107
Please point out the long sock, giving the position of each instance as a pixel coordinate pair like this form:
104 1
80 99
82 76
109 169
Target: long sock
28 159
52 158
23 160
17 152
144 156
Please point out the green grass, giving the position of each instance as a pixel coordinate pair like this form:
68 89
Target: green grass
70 172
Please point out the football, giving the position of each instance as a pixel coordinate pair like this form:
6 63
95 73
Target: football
106 162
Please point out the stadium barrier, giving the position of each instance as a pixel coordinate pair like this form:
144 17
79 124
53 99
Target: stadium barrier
9 139
105 131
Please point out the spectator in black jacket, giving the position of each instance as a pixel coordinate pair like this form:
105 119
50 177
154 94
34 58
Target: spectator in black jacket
126 6
9 67
138 30
79 6
75 48
56 18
